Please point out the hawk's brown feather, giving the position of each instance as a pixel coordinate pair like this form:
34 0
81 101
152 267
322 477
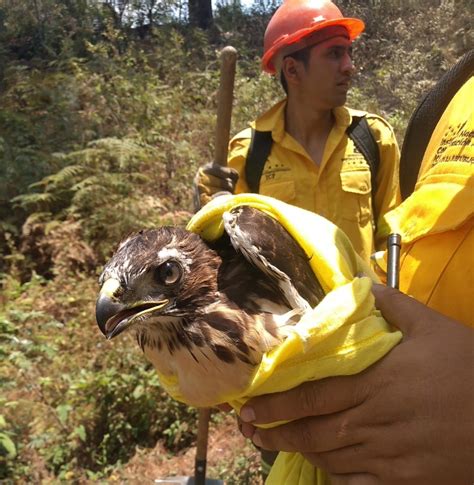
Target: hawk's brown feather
207 313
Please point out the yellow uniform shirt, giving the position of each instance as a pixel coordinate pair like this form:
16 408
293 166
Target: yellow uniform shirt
340 188
436 222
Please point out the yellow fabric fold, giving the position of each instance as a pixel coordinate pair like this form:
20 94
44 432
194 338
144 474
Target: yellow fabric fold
442 201
343 335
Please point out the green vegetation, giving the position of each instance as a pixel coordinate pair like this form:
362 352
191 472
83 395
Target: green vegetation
71 400
102 126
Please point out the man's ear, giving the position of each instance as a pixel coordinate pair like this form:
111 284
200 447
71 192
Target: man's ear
291 69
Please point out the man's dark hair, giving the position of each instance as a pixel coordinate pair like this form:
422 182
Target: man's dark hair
301 55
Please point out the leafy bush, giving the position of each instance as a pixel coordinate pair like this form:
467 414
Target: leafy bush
121 407
70 399
97 143
405 50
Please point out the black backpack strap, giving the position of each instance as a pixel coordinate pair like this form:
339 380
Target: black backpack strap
259 150
359 132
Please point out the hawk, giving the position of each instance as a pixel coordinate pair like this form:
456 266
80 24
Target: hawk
207 312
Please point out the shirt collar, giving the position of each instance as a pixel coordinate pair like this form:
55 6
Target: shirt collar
274 120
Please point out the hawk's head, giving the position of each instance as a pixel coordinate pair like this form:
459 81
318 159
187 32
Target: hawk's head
155 276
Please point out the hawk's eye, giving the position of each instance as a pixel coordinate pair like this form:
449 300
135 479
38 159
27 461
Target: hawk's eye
168 273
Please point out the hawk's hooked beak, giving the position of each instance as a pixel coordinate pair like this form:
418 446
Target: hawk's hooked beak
113 317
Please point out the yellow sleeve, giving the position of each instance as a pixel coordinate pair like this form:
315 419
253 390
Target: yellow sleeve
387 195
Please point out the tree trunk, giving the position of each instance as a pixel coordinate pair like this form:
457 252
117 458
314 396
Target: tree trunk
200 13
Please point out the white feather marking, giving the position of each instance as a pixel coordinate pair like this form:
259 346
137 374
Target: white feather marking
167 253
123 243
282 320
240 242
173 253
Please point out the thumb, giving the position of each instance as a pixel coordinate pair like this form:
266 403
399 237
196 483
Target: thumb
403 311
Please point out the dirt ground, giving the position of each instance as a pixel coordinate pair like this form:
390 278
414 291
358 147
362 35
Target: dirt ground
225 444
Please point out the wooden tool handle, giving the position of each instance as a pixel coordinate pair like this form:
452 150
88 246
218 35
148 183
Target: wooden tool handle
224 112
224 104
204 415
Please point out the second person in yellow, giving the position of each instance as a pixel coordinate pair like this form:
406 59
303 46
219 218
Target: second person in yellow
312 161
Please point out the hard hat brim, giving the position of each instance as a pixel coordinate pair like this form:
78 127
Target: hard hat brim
353 26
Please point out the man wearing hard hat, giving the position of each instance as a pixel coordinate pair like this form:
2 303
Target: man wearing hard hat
311 156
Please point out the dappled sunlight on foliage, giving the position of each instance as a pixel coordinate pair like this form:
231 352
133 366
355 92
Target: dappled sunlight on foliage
104 119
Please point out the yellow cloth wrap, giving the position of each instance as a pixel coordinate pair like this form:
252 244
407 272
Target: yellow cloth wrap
343 335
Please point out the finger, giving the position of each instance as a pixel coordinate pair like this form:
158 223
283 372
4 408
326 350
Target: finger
246 429
354 479
214 184
320 434
391 303
315 398
403 311
220 193
221 172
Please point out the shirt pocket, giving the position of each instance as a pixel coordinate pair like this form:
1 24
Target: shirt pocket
284 191
356 202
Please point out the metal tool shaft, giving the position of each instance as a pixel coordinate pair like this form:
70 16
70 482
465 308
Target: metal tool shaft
394 243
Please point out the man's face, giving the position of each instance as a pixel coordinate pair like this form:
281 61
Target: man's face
327 77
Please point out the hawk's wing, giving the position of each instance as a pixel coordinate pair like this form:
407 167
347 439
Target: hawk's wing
266 244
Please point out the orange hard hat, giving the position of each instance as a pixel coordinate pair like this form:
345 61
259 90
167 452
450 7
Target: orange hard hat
296 19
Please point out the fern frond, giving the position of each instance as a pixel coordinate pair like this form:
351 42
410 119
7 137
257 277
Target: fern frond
87 182
27 201
64 178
